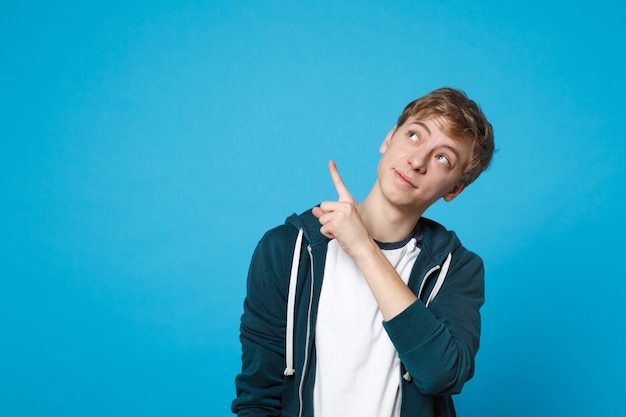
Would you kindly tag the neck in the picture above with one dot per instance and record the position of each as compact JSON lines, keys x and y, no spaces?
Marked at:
{"x":384,"y":221}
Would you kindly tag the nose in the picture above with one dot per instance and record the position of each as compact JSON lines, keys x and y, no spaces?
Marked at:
{"x":417,"y":162}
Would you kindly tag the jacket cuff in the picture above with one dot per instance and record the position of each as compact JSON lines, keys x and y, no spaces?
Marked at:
{"x":411,"y":327}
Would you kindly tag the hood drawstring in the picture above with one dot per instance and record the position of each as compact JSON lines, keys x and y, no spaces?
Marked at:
{"x":291,"y":306}
{"x":440,"y":279}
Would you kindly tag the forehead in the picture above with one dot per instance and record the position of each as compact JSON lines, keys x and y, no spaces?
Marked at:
{"x":438,"y":121}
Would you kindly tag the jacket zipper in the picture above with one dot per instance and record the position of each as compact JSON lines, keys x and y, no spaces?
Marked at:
{"x":308,"y":335}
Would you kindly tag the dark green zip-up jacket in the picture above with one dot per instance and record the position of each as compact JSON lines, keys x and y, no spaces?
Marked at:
{"x":436,"y":344}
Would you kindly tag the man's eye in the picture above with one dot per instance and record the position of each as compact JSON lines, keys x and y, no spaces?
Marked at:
{"x":443,"y":159}
{"x":414,"y":136}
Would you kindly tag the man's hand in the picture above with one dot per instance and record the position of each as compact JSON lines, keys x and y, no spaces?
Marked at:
{"x":341,"y":219}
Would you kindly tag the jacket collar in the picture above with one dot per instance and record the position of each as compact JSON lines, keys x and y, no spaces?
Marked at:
{"x":310,"y":225}
{"x":438,"y":241}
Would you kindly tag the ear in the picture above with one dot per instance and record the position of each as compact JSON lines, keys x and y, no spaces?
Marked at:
{"x":454,"y":191}
{"x":385,"y":144}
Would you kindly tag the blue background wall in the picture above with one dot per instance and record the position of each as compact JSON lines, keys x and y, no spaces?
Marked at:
{"x":146,"y":146}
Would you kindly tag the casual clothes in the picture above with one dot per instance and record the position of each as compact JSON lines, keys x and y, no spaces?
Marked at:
{"x":436,"y":337}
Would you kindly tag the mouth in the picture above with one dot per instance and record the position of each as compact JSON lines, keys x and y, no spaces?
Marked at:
{"x":404,"y":180}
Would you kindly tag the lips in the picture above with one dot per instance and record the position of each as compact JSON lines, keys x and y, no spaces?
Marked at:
{"x":404,"y":179}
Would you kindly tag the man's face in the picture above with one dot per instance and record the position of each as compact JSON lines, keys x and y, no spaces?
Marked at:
{"x":421,"y":164}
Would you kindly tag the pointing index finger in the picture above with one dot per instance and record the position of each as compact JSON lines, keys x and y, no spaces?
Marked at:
{"x":342,"y":191}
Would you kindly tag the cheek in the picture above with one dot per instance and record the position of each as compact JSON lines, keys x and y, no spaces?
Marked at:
{"x":381,"y":165}
{"x":384,"y":157}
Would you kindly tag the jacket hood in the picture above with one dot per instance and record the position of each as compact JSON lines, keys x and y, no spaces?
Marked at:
{"x":310,"y":225}
{"x":439,"y":241}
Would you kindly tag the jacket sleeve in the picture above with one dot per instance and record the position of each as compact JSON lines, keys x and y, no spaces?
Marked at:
{"x":437,"y":345}
{"x":259,"y":386}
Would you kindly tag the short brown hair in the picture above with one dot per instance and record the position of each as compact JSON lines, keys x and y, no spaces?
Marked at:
{"x":464,"y":120}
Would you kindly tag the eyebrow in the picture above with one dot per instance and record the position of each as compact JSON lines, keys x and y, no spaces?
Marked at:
{"x":417,"y":122}
{"x":454,"y":151}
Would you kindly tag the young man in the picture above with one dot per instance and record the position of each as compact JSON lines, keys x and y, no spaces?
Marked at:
{"x":371,"y":309}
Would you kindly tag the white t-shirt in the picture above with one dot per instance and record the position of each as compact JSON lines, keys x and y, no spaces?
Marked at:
{"x":358,"y":370}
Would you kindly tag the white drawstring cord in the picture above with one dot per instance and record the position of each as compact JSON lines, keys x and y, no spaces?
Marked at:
{"x":291,"y":306}
{"x":440,"y":279}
